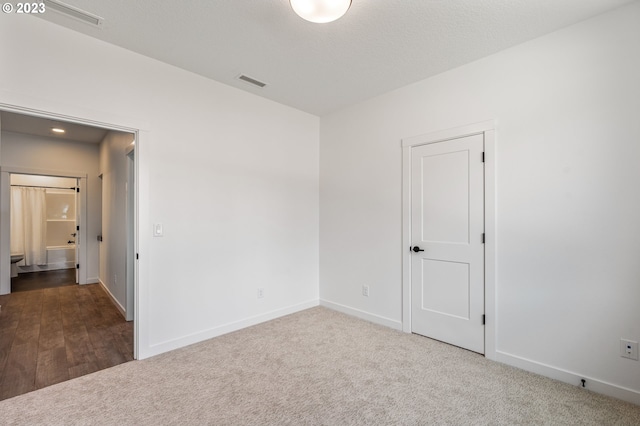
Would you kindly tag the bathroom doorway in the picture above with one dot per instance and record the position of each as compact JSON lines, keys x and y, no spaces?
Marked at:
{"x":45,"y":226}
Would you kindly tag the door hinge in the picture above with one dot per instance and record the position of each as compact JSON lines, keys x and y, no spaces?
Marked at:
{"x":77,"y":266}
{"x":484,"y":319}
{"x":77,"y":227}
{"x":77,"y":189}
{"x":482,"y":238}
{"x":483,"y":157}
{"x":137,"y":257}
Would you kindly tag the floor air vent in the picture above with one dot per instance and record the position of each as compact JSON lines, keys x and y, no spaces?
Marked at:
{"x":74,"y":12}
{"x":251,"y":81}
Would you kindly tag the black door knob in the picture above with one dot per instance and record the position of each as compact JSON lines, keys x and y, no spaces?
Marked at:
{"x":416,"y":249}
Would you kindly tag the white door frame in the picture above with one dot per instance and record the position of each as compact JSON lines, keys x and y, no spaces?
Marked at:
{"x":45,"y":108}
{"x":487,"y":129}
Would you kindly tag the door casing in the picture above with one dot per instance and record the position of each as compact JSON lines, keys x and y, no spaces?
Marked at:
{"x":487,"y":129}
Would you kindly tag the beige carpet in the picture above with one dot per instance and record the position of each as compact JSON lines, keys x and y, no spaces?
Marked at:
{"x":317,"y":367}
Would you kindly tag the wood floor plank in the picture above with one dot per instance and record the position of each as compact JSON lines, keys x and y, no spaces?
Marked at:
{"x":10,"y":318}
{"x":27,"y":332}
{"x":6,"y":340}
{"x":52,"y":367}
{"x":20,"y":370}
{"x":105,"y":348}
{"x":51,"y":338}
{"x":123,"y":343}
{"x":58,"y":333}
{"x":78,"y":347}
{"x":42,"y":280}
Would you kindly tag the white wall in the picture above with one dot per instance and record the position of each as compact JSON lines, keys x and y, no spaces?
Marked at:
{"x":113,"y":168}
{"x":52,"y":154}
{"x":232,"y":177}
{"x":567,"y":108}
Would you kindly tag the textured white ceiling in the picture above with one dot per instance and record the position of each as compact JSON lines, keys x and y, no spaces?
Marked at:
{"x":379,"y":45}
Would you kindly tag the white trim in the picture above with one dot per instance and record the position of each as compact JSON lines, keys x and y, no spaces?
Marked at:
{"x":200,"y":336}
{"x":570,"y":377}
{"x":406,"y":238}
{"x":447,"y":134}
{"x":14,"y":102}
{"x":43,"y":172}
{"x":376,"y":319}
{"x":487,"y":129}
{"x":5,"y":229}
{"x":490,"y":249}
{"x":83,"y":254}
{"x":113,"y":299}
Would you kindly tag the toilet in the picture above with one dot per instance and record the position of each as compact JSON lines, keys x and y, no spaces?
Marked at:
{"x":15,"y":258}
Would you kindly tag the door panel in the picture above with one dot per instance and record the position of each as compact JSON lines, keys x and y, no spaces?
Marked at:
{"x":445,"y":208}
{"x":447,"y":278}
{"x":445,"y":288}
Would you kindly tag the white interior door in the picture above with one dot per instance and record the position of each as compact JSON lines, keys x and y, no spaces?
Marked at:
{"x":447,"y":226}
{"x":130,"y":252}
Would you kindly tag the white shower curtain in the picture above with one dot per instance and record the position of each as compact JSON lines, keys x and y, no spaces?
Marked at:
{"x":29,"y":225}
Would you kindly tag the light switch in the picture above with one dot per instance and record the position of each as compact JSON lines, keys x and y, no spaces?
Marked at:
{"x":157,"y":230}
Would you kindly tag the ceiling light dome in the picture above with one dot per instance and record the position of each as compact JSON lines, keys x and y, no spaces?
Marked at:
{"x":320,"y":11}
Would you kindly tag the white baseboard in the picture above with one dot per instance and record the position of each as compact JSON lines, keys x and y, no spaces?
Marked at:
{"x":114,"y":300}
{"x":200,"y":336}
{"x":570,"y":377}
{"x":376,"y":319}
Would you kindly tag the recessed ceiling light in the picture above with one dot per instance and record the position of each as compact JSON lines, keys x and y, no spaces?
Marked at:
{"x":57,"y":130}
{"x":320,"y":11}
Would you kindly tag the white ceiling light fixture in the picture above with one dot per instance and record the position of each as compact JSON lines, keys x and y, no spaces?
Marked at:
{"x":320,"y":11}
{"x":57,"y":130}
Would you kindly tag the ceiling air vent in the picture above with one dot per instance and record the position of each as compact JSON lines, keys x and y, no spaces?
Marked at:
{"x":251,"y":81}
{"x":73,"y":12}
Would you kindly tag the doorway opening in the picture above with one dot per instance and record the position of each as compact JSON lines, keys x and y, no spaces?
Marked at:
{"x":45,"y":216}
{"x":70,"y":329}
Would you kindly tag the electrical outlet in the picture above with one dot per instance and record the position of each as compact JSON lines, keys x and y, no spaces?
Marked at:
{"x":260,"y":293}
{"x":629,"y":349}
{"x":365,"y":290}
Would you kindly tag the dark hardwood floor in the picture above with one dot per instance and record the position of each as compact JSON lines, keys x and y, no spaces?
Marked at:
{"x":54,"y":334}
{"x":40,"y":280}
